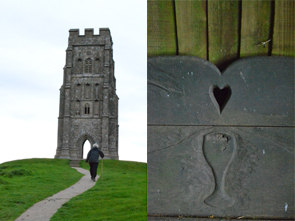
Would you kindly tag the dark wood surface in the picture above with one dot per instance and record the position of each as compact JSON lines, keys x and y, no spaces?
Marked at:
{"x":221,"y":31}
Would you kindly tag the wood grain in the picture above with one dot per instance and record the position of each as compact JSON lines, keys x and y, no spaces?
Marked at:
{"x":223,"y":31}
{"x":161,"y":35}
{"x":255,"y":28}
{"x":191,"y":27}
{"x":284,"y":28}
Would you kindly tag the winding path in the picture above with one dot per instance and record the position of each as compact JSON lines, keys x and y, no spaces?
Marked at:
{"x":44,"y":210}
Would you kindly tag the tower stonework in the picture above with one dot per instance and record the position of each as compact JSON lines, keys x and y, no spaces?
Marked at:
{"x":88,"y":99}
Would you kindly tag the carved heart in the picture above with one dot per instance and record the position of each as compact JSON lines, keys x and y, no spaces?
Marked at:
{"x":220,"y":97}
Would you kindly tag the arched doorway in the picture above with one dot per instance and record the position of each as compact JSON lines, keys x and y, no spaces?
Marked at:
{"x":83,"y":145}
{"x":85,"y":149}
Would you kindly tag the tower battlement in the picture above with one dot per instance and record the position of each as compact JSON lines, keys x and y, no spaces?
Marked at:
{"x":89,"y":32}
{"x":104,"y":36}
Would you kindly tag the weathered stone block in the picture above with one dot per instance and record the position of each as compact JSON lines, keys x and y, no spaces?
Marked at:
{"x":221,"y":144}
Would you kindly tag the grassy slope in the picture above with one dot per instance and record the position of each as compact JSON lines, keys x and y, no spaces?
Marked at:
{"x":25,"y":182}
{"x":120,"y":195}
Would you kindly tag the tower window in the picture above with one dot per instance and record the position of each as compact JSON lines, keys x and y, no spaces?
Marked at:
{"x":87,"y":90}
{"x":88,"y":65}
{"x":96,"y":91}
{"x":87,"y":109}
{"x":79,"y":66}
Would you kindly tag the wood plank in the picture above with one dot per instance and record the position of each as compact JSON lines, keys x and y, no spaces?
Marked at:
{"x":191,"y":27}
{"x":255,"y":28}
{"x":223,"y":21}
{"x":284,"y":28}
{"x":161,"y":36}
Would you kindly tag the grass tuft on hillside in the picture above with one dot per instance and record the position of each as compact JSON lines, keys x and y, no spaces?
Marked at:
{"x":120,"y":194}
{"x":26,"y":182}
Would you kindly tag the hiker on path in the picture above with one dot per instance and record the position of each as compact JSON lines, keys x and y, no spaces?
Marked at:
{"x":92,"y":157}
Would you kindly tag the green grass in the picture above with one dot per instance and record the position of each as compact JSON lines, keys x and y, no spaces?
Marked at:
{"x":119,"y":195}
{"x":25,"y":182}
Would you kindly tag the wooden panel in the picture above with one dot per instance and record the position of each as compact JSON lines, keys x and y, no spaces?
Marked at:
{"x":223,"y":31}
{"x":255,"y":27}
{"x":284,"y":28}
{"x":191,"y":27}
{"x":161,"y":38}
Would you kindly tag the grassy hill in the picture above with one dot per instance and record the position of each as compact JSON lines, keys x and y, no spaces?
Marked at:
{"x":119,"y":195}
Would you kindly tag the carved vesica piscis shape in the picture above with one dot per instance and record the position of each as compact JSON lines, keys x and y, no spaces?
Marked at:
{"x":220,"y":97}
{"x":219,"y":150}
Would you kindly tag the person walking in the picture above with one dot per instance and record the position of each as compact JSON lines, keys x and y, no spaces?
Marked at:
{"x":92,"y":158}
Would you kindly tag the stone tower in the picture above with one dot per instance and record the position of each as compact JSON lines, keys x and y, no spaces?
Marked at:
{"x":88,"y":100}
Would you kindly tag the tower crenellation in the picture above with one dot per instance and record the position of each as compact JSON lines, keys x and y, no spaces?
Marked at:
{"x":103,"y":38}
{"x":88,"y":99}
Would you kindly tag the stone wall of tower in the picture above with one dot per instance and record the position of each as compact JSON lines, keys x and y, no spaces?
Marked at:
{"x":88,"y":99}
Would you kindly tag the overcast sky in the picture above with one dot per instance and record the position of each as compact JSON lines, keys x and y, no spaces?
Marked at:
{"x":33,"y":40}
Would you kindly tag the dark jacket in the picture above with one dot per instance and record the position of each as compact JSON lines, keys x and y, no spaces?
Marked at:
{"x":93,"y":155}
